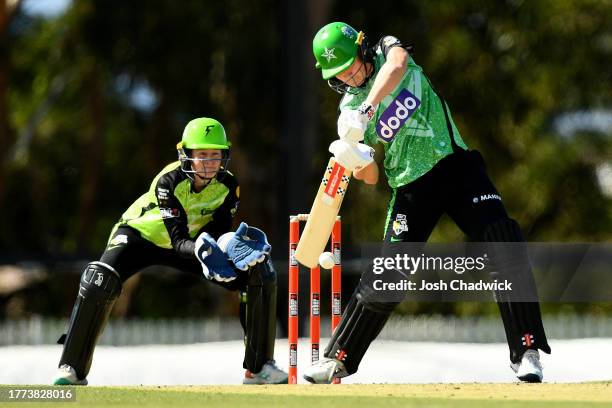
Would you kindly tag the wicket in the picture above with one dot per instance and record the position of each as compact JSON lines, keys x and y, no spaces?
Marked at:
{"x":315,"y":293}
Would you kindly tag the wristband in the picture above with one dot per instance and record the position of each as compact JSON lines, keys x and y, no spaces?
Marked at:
{"x":367,"y":109}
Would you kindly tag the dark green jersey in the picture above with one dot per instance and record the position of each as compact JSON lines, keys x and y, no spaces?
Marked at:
{"x":409,"y":122}
{"x":171,"y":214}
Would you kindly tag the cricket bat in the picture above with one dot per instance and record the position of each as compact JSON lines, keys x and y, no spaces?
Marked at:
{"x":323,"y":214}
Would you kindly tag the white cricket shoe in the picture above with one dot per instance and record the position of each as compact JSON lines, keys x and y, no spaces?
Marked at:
{"x":324,"y":371}
{"x":66,"y":375}
{"x":530,"y":368}
{"x":269,"y":374}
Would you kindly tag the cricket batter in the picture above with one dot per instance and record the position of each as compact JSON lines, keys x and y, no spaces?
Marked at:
{"x":183,"y":222}
{"x":388,"y":99}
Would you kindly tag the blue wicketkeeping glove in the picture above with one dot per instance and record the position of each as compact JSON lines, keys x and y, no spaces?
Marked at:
{"x":214,"y":262}
{"x":246,"y":247}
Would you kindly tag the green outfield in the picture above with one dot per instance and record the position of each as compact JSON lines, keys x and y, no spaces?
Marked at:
{"x":597,"y":394}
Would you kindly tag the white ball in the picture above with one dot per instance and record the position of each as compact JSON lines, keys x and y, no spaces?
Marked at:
{"x":326,"y":260}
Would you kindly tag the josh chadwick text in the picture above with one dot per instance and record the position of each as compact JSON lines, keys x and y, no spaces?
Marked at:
{"x":453,"y":285}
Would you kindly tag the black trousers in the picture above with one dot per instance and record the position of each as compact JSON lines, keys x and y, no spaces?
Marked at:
{"x":135,"y":253}
{"x":459,"y":186}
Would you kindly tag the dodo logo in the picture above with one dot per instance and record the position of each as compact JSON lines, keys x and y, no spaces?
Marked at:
{"x":398,"y":112}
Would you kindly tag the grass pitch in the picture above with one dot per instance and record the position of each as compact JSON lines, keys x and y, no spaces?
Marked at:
{"x":596,"y":394}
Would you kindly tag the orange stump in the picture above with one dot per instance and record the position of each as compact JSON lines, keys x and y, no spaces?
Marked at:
{"x":315,"y":294}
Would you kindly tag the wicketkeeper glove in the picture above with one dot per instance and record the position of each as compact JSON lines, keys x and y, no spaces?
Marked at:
{"x":351,"y":155}
{"x":246,"y":247}
{"x":214,"y":262}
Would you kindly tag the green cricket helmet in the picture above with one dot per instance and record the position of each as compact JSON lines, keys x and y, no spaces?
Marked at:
{"x":335,"y":48}
{"x":203,"y":133}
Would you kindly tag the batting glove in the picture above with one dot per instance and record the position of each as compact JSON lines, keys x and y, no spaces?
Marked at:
{"x":351,"y":155}
{"x":352,"y":124}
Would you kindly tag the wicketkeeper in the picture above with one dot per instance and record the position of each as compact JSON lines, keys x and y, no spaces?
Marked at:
{"x":183,"y":222}
{"x":388,"y":99}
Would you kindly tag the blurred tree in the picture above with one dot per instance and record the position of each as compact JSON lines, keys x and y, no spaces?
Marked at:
{"x":507,"y":69}
{"x":7,"y":11}
{"x":92,"y":103}
{"x":76,"y":108}
{"x":193,"y":60}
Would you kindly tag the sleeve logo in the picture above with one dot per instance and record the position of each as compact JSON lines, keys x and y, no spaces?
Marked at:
{"x":162,"y":193}
{"x":396,"y":115}
{"x":169,"y":212}
{"x":119,"y":240}
{"x":390,"y":40}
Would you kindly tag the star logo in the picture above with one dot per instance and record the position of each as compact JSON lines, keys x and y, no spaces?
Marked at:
{"x":329,"y":54}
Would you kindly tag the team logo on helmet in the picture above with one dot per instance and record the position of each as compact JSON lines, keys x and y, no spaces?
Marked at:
{"x":347,"y":32}
{"x":329,"y":54}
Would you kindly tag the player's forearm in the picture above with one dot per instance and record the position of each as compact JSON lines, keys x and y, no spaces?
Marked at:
{"x":368,"y":174}
{"x":386,"y":81}
{"x":178,"y":232}
{"x":184,"y":248}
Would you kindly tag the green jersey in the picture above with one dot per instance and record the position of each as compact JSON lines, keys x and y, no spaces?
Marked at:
{"x":171,"y":214}
{"x":410,"y":122}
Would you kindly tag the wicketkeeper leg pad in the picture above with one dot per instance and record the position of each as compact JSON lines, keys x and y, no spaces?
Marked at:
{"x":99,"y":288}
{"x":260,"y":316}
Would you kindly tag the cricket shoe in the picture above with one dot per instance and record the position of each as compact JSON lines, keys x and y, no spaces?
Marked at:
{"x":66,"y":375}
{"x":529,"y":369}
{"x":324,"y":371}
{"x":269,"y":374}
